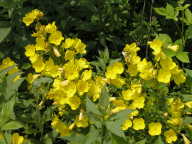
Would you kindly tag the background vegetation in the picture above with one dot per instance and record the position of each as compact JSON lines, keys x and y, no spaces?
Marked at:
{"x":102,"y":25}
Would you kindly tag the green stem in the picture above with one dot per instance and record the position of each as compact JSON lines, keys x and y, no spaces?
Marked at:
{"x":150,"y":20}
{"x":182,"y":31}
{"x":5,"y":139}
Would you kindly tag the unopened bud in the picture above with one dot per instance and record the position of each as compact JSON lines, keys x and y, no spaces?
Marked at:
{"x":56,"y":52}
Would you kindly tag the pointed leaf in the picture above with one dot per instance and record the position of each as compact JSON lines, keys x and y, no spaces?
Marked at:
{"x":91,"y":107}
{"x":141,"y":141}
{"x":12,"y":125}
{"x":4,"y":33}
{"x":159,"y":140}
{"x":188,"y":33}
{"x":183,"y":57}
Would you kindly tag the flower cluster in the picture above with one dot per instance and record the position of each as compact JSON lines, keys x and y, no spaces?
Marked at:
{"x":162,"y":70}
{"x":74,"y":80}
{"x":61,"y":59}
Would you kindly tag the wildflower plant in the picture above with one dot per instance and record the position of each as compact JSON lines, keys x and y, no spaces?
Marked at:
{"x":125,"y":100}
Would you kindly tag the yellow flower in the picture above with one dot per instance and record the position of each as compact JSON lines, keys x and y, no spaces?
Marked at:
{"x":68,"y":43}
{"x":137,"y":88}
{"x":176,"y":107}
{"x":17,"y":139}
{"x":51,"y":27}
{"x":118,"y":82}
{"x":133,"y":113}
{"x":83,"y":87}
{"x":114,"y":69}
{"x":127,"y":124}
{"x":164,"y":76}
{"x":69,"y":88}
{"x":155,"y":128}
{"x":138,"y":124}
{"x":51,"y":69}
{"x":138,"y":102}
{"x":82,"y":63}
{"x":60,"y":127}
{"x":179,"y":77}
{"x":40,"y":31}
{"x":56,"y":38}
{"x":143,"y":65}
{"x":39,"y":65}
{"x":34,"y":58}
{"x":148,"y":74}
{"x":118,"y":67}
{"x":156,"y":46}
{"x":94,"y":90}
{"x":32,"y":16}
{"x":74,"y":102}
{"x":146,"y":69}
{"x":131,"y":48}
{"x":7,"y":62}
{"x":128,"y":94}
{"x":86,"y":75}
{"x":41,"y":44}
{"x":69,"y":55}
{"x":119,"y":105}
{"x":132,"y":69}
{"x":71,"y":71}
{"x":170,"y":136}
{"x":79,"y":46}
{"x":167,"y":63}
{"x":30,"y":50}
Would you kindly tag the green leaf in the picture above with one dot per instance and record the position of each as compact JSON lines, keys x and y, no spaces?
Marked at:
{"x":75,"y":138}
{"x":183,"y":57}
{"x":42,"y":80}
{"x":117,"y":140}
{"x":4,"y":33}
{"x":12,"y":125}
{"x":116,"y":121}
{"x":165,"y":38}
{"x":2,"y":141}
{"x":3,"y":72}
{"x":187,"y":97}
{"x":114,"y":127}
{"x":7,"y":138}
{"x":188,"y":17}
{"x":12,"y":85}
{"x":179,"y":42}
{"x":104,"y":99}
{"x":169,"y":52}
{"x":47,"y":139}
{"x":160,"y":11}
{"x":182,"y":8}
{"x":141,"y":141}
{"x":91,"y":107}
{"x":188,"y":72}
{"x":188,"y":33}
{"x":92,"y":136}
{"x":169,"y":12}
{"x":187,"y":120}
{"x":159,"y":140}
{"x":122,"y":115}
{"x":7,"y":111}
